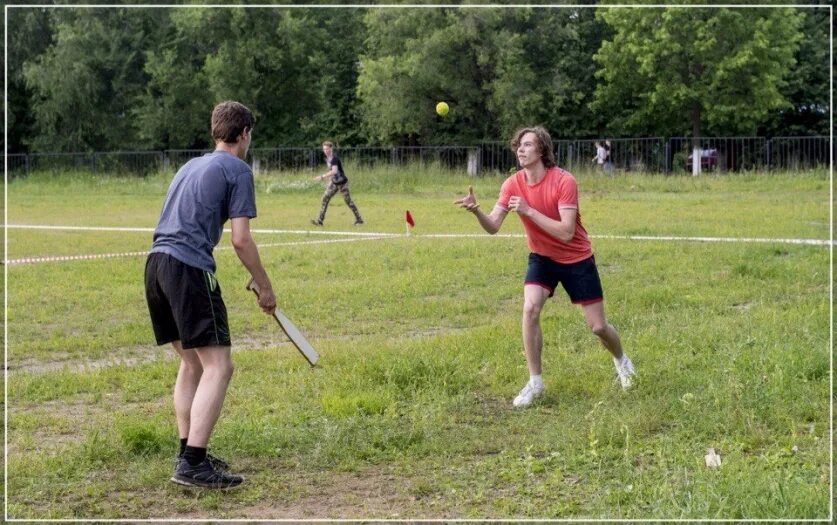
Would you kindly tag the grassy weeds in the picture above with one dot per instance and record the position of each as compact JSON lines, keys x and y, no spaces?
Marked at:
{"x":409,"y":414}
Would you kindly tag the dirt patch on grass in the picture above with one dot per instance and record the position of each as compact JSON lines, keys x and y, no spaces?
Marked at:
{"x":138,"y":354}
{"x":71,"y":362}
{"x":373,"y":493}
{"x":127,"y":356}
{"x":68,"y":421}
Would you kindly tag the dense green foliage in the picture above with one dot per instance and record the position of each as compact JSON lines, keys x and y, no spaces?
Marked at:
{"x":99,"y":79}
{"x":497,"y":68}
{"x":807,"y":88}
{"x":719,"y":69}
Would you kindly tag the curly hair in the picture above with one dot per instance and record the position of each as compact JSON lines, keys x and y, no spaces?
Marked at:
{"x":545,"y":147}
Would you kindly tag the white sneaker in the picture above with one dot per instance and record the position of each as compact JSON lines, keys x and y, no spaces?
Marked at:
{"x":527,"y":395}
{"x":624,"y":371}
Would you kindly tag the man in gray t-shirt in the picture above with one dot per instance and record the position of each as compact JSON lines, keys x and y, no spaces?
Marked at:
{"x":184,"y":297}
{"x":189,"y":232}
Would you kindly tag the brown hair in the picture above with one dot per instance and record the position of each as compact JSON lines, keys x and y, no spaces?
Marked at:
{"x":328,"y":143}
{"x":229,"y":119}
{"x":545,"y":147}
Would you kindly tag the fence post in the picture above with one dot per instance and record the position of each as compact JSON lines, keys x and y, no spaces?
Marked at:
{"x":767,"y":152}
{"x":667,"y":157}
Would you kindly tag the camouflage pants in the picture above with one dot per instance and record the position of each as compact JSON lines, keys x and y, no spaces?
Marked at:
{"x":331,"y":189}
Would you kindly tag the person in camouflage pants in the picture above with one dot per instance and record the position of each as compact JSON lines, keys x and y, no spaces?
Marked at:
{"x":339,"y":182}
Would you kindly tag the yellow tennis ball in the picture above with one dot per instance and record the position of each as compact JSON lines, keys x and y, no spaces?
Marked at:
{"x":442,"y":108}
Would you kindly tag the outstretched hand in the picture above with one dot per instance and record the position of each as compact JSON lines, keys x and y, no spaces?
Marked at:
{"x":469,"y":202}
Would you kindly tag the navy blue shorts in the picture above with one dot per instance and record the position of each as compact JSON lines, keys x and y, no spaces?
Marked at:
{"x":185,"y":303}
{"x":579,"y":279}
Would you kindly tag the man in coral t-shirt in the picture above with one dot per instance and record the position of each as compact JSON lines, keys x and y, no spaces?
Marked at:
{"x":545,"y":198}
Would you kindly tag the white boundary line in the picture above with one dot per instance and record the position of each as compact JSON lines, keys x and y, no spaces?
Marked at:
{"x":830,"y":264}
{"x":63,"y":258}
{"x":750,"y":240}
{"x":227,"y":230}
{"x":381,"y":235}
{"x":5,"y":268}
{"x":327,"y":241}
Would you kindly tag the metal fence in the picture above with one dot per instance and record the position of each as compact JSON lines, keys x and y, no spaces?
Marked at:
{"x":725,"y":154}
{"x":797,"y":153}
{"x":644,"y":155}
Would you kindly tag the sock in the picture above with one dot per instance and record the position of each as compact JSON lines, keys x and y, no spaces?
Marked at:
{"x":536,"y":381}
{"x":620,"y":361}
{"x":194,"y":455}
{"x":182,"y":446}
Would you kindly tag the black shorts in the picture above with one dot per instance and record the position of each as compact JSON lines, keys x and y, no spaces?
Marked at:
{"x":185,"y":303}
{"x":580,"y":279}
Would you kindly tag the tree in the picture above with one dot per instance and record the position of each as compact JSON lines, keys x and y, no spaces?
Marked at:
{"x":292,"y":67}
{"x":334,"y":58}
{"x":807,"y":85}
{"x":497,"y":68}
{"x":32,"y":35}
{"x":544,"y":71}
{"x":85,"y":84}
{"x":716,"y":69}
{"x":415,"y":58}
{"x":172,"y":111}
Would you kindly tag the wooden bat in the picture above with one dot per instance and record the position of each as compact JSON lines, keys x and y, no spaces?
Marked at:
{"x":291,"y":331}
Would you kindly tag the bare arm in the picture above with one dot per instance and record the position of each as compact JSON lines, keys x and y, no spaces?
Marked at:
{"x":491,"y":222}
{"x":563,"y":229}
{"x":247,"y":251}
{"x":331,"y":172}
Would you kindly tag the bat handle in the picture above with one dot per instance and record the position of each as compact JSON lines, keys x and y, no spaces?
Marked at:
{"x":251,"y":285}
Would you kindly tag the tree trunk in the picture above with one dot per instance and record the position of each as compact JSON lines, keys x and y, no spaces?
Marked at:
{"x":696,"y":149}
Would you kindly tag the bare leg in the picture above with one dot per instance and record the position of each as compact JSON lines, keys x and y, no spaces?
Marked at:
{"x":188,"y":378}
{"x":210,"y":394}
{"x":595,"y":316}
{"x":534,"y":297}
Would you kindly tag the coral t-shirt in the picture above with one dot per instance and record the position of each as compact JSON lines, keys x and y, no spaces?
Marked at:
{"x":556,"y":190}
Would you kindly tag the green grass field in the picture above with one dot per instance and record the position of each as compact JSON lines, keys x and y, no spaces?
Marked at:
{"x":409,"y":414}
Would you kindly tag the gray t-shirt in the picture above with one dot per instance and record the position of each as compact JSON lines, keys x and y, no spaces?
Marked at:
{"x":205,"y":193}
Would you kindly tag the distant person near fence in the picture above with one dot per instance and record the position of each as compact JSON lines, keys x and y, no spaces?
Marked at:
{"x":608,"y":160}
{"x":337,"y":182}
{"x":600,"y":156}
{"x":545,"y":197}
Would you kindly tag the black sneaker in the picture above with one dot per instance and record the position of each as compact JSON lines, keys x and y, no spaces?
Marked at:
{"x":216,"y":462}
{"x":358,"y":222}
{"x":203,"y":475}
{"x":316,"y":222}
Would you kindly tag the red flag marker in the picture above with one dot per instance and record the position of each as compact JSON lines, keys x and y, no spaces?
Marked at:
{"x":410,"y":222}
